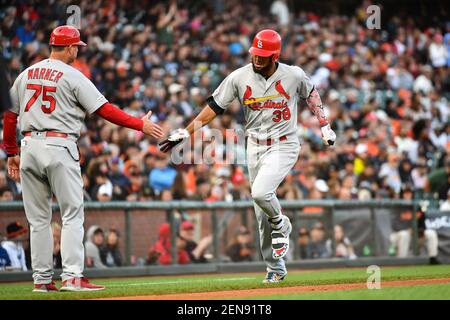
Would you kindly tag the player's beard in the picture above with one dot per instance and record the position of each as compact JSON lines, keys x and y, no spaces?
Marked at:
{"x":264,"y":71}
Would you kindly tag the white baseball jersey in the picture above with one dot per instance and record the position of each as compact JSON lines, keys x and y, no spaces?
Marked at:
{"x":270,"y":106}
{"x":53,"y":96}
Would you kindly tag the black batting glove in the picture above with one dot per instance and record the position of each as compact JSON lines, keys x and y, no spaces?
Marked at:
{"x":181,"y":135}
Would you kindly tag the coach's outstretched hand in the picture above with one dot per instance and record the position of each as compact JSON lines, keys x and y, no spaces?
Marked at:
{"x":175,"y":138}
{"x":150,"y":128}
{"x":328,"y":135}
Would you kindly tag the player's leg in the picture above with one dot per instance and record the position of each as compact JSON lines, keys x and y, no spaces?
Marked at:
{"x":66,"y":182}
{"x":274,"y":166}
{"x":276,"y":269}
{"x":276,"y":266}
{"x":67,"y":185}
{"x":37,"y":203}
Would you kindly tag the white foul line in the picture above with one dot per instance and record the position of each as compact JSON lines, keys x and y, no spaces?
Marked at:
{"x":176,"y":282}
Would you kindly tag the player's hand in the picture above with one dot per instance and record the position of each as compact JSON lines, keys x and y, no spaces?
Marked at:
{"x":328,"y":135}
{"x":180,"y":135}
{"x":14,"y":168}
{"x":150,"y":128}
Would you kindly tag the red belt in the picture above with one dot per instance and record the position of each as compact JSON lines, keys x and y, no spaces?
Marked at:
{"x":269,"y":142}
{"x":49,"y":134}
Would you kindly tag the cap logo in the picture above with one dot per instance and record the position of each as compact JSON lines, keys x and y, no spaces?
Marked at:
{"x":260,"y":44}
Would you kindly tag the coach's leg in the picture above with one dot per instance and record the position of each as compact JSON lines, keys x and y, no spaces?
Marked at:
{"x":404,"y":240}
{"x":393,"y":238}
{"x":67,"y":184}
{"x":432,"y":242}
{"x":37,"y":203}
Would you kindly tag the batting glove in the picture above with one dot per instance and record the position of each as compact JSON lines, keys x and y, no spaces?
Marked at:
{"x":328,"y":135}
{"x":180,"y":135}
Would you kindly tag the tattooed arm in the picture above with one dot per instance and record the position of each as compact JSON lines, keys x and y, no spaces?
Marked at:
{"x":315,"y":105}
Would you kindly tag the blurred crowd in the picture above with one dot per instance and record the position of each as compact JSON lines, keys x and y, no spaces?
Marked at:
{"x":387,"y":93}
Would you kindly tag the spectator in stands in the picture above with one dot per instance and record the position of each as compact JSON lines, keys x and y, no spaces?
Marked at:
{"x":196,"y":251}
{"x":6,"y":194}
{"x":317,"y":191}
{"x":163,"y":175}
{"x":8,"y":187}
{"x":105,"y":191}
{"x":178,"y":189}
{"x":419,"y":174}
{"x":120,"y":182}
{"x":438,"y":52}
{"x":160,"y":252}
{"x":389,"y":171}
{"x":14,"y":245}
{"x":318,"y":247}
{"x":110,"y":252}
{"x":401,"y":237}
{"x":405,"y":171}
{"x":86,"y":187}
{"x":438,"y":182}
{"x":4,"y":259}
{"x":149,"y":163}
{"x":423,"y":83}
{"x":304,"y":244}
{"x":241,"y":190}
{"x":445,"y":206}
{"x":344,"y":247}
{"x":95,"y":239}
{"x":242,"y":248}
{"x":56,"y":231}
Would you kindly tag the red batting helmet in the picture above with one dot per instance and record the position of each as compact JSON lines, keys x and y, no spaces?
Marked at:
{"x":266,"y":43}
{"x":66,"y":36}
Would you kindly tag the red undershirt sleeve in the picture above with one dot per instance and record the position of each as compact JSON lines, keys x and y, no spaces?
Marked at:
{"x":115,"y":115}
{"x":9,"y":132}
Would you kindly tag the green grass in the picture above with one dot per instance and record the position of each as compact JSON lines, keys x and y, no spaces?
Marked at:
{"x":419,"y":292}
{"x":216,"y":282}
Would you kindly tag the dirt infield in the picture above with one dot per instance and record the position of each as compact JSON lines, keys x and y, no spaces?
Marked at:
{"x":277,"y":290}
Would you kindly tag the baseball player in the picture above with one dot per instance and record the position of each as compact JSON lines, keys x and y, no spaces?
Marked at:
{"x":269,"y":92}
{"x":51,"y":99}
